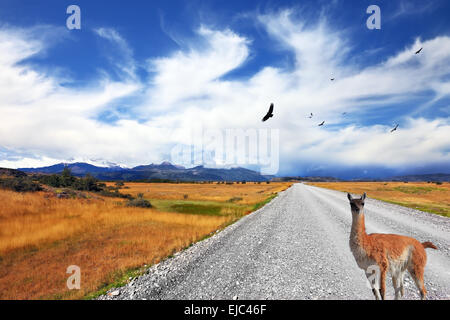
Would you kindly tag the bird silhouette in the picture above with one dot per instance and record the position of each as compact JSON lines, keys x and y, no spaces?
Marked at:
{"x":269,"y":113}
{"x":323,"y":122}
{"x":418,"y":51}
{"x":394,"y":128}
{"x":310,"y":115}
{"x":344,"y":113}
{"x":332,"y":79}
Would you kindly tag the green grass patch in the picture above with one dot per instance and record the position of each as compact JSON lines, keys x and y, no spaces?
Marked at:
{"x":417,"y":189}
{"x":431,"y":208}
{"x":196,"y":207}
{"x":192,"y":208}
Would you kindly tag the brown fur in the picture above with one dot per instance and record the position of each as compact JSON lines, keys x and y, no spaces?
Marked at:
{"x":390,"y":252}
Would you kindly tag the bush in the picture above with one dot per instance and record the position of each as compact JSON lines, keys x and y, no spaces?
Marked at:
{"x":119,"y":184}
{"x":438,"y":182}
{"x":50,"y":180}
{"x":234,"y":199}
{"x":23,"y":184}
{"x":88,"y":183}
{"x":115,"y":194}
{"x":139,"y":202}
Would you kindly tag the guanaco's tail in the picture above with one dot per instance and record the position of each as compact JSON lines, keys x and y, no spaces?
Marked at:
{"x":428,"y":244}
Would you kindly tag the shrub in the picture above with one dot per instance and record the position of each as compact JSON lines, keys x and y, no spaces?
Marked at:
{"x":185,"y":196}
{"x":23,"y":184}
{"x":234,"y":199}
{"x":139,"y":202}
{"x":119,"y":184}
{"x":88,"y":183}
{"x":66,"y":179}
{"x":115,"y":194}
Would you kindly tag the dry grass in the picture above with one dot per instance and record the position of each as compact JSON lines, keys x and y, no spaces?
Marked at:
{"x":429,"y":197}
{"x":250,"y":193}
{"x":40,"y":236}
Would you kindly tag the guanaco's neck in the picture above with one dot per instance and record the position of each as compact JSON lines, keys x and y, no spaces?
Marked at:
{"x":358,"y":231}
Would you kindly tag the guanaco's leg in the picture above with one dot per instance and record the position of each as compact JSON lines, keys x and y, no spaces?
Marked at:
{"x":397,"y":286}
{"x":383,"y":283}
{"x":402,"y":280}
{"x":417,"y":273}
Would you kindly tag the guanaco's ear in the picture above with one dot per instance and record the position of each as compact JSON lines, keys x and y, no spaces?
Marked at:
{"x":363,"y":196}
{"x":349,"y":196}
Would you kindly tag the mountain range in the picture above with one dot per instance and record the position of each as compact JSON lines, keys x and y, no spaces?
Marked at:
{"x":163,"y":171}
{"x":441,"y":177}
{"x":167,"y":171}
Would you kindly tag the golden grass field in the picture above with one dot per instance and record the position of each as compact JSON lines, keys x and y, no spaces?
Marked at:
{"x":41,"y":235}
{"x":429,"y":197}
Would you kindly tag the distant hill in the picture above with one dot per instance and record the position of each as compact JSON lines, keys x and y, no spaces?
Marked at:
{"x":441,"y":177}
{"x":78,"y":169}
{"x":163,"y":171}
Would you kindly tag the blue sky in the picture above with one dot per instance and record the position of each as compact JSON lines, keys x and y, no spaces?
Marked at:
{"x":140,"y":76}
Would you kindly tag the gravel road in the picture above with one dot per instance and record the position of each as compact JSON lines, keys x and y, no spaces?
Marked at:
{"x":295,"y":247}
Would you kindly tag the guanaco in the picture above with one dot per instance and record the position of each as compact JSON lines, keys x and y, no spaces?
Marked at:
{"x":389,"y":252}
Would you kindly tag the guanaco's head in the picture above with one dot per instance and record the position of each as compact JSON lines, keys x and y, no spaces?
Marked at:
{"x":357,"y":205}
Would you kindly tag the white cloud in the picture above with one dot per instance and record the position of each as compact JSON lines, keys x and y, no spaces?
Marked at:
{"x":29,"y":162}
{"x":127,"y":63}
{"x":194,"y":73}
{"x":188,"y":90}
{"x":406,"y":8}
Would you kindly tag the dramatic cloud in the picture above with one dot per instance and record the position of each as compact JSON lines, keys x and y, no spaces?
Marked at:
{"x":189,"y":89}
{"x":195,"y":73}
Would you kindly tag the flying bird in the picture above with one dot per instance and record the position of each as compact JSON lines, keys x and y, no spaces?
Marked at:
{"x":310,"y":115}
{"x":394,"y":128}
{"x":332,"y":79}
{"x":269,"y":113}
{"x":323,"y":122}
{"x":418,"y":51}
{"x":344,"y":113}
